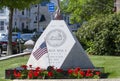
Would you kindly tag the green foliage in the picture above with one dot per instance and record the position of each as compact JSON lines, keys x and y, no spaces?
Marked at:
{"x":16,"y":30}
{"x":11,"y":5}
{"x":26,"y":30}
{"x":83,"y":10}
{"x":101,"y":36}
{"x":19,"y":4}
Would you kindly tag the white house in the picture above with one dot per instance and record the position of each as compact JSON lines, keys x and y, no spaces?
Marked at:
{"x":36,"y":17}
{"x":117,"y":6}
{"x":4,"y":18}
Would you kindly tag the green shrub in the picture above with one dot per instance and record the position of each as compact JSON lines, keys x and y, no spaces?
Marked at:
{"x":16,"y":30}
{"x":101,"y":36}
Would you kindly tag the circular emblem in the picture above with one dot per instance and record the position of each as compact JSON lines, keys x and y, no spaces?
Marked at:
{"x":56,"y":38}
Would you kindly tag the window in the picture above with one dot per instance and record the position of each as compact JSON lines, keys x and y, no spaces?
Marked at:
{"x":1,"y":10}
{"x":35,"y":5}
{"x":15,"y":23}
{"x":1,"y":22}
{"x":27,"y":27}
{"x":42,"y":18}
{"x":1,"y":25}
{"x":22,"y":12}
{"x":23,"y":25}
{"x":36,"y":18}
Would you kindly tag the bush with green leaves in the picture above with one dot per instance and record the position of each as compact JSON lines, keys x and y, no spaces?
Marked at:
{"x":101,"y":35}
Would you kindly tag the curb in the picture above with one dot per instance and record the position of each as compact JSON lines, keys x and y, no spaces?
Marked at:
{"x":16,"y":55}
{"x":70,"y":80}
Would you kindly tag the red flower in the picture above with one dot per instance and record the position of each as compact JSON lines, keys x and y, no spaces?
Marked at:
{"x":30,"y":74}
{"x":97,"y":73}
{"x":14,"y":72}
{"x":50,"y":74}
{"x":37,"y":69}
{"x":36,"y":73}
{"x":70,"y":71}
{"x":77,"y":69}
{"x":82,"y":73}
{"x":17,"y":74}
{"x":76,"y":72}
{"x":89,"y":74}
{"x":88,"y":71}
{"x":59,"y":70}
{"x":24,"y":66}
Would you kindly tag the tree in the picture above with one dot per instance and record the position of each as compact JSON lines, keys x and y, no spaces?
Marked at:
{"x":18,"y":4}
{"x":101,"y":36}
{"x":83,"y":10}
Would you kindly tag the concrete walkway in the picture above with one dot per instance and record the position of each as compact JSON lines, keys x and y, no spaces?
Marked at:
{"x":15,"y":55}
{"x":71,"y":80}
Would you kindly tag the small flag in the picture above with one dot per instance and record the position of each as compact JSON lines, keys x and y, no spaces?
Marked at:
{"x":40,"y":51}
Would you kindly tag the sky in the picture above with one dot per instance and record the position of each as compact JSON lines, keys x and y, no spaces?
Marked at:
{"x":55,"y":1}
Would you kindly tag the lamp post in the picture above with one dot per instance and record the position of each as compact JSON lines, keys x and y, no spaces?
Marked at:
{"x":15,"y":28}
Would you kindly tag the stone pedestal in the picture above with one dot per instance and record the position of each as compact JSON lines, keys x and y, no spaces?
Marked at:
{"x":63,"y":49}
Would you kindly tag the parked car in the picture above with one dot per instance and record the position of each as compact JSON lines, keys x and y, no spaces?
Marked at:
{"x":4,"y":42}
{"x":2,"y":35}
{"x":36,"y":35}
{"x":27,"y":36}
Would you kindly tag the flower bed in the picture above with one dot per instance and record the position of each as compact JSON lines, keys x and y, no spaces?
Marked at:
{"x":50,"y":73}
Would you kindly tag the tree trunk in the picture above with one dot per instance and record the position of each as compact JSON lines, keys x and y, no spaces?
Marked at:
{"x":38,"y":18}
{"x":9,"y":46}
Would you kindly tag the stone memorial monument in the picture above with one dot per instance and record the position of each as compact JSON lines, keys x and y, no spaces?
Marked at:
{"x":58,"y":47}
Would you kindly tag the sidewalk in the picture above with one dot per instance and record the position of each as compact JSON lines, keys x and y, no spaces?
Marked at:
{"x":71,"y":80}
{"x":15,"y":55}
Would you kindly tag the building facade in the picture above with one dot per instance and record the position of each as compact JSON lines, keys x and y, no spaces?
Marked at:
{"x":36,"y":18}
{"x":117,"y":5}
{"x":4,"y":18}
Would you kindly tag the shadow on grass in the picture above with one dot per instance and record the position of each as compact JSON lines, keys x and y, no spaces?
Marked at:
{"x":105,"y":75}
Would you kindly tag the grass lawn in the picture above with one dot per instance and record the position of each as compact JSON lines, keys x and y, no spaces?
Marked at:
{"x":11,"y":63}
{"x":111,"y":65}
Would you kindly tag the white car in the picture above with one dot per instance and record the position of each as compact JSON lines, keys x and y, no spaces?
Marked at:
{"x":3,"y":35}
